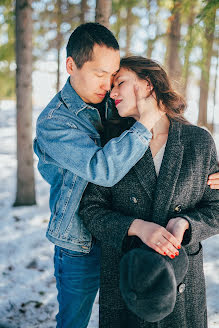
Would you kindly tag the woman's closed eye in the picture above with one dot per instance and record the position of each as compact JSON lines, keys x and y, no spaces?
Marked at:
{"x":120,"y":83}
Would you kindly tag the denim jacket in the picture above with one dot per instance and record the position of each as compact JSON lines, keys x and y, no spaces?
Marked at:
{"x":68,"y":146}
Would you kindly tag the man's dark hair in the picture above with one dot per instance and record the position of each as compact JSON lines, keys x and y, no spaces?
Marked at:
{"x":84,"y":37}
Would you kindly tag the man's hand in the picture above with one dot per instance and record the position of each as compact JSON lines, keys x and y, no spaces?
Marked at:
{"x":155,"y":236}
{"x":177,"y":227}
{"x":213,"y":181}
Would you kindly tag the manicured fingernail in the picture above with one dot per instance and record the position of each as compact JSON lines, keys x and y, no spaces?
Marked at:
{"x":177,"y":253}
{"x":178,"y":246}
{"x":164,"y":253}
{"x":172,"y":256}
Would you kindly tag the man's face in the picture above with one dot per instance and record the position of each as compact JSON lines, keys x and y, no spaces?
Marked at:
{"x":93,"y":80}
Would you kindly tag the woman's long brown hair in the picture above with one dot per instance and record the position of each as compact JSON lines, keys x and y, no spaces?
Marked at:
{"x":151,"y":71}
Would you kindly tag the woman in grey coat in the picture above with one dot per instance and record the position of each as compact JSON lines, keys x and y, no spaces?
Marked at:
{"x":163,"y":202}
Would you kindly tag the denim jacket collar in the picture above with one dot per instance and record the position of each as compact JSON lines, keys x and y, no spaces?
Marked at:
{"x":72,"y":100}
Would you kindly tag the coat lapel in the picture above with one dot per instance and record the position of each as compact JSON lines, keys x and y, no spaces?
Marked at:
{"x":169,"y":173}
{"x":146,"y":174}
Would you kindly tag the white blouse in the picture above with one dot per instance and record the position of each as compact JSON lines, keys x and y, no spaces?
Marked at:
{"x":158,"y":159}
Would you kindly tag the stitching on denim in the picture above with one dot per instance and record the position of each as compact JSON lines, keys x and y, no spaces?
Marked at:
{"x":50,"y":115}
{"x":80,"y":109}
{"x":143,"y":139}
{"x":67,"y":198}
{"x":71,"y":125}
{"x":118,"y":139}
{"x":69,"y":194}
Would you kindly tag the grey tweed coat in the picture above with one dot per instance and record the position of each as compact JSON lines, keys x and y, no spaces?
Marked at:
{"x":179,"y":190}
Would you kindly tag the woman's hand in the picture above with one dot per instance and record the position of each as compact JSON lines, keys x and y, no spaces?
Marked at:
{"x":213,"y":180}
{"x":156,"y":237}
{"x":177,"y":227}
{"x":148,"y":109}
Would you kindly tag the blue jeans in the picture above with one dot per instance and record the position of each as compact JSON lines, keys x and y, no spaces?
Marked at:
{"x":77,"y":281}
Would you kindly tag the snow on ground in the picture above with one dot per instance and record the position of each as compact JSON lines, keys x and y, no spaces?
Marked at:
{"x":27,"y":285}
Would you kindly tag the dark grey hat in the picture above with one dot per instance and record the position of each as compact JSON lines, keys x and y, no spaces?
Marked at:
{"x":148,"y":282}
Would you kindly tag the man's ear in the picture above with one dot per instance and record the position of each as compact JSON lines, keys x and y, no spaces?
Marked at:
{"x":70,"y":65}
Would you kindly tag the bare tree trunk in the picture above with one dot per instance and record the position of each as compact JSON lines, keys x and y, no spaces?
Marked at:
{"x":128,"y":30}
{"x":25,"y":172}
{"x":152,"y":20}
{"x":58,"y":43}
{"x":188,"y":49}
{"x":150,"y":42}
{"x":173,"y":61}
{"x":84,"y":8}
{"x":205,"y":73}
{"x":103,"y":11}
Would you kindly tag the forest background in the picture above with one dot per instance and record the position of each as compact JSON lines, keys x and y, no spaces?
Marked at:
{"x":182,"y":35}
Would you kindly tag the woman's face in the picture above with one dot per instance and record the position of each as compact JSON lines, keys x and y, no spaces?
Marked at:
{"x":123,"y":93}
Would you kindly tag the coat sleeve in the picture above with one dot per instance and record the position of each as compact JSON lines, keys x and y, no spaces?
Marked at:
{"x":109,"y":227}
{"x":204,"y":218}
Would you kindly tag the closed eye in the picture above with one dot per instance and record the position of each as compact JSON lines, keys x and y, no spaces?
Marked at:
{"x":120,"y":82}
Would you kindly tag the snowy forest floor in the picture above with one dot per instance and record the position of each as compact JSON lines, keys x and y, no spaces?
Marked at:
{"x":27,"y":284}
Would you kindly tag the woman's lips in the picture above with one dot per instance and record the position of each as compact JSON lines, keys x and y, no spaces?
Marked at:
{"x":117,"y":102}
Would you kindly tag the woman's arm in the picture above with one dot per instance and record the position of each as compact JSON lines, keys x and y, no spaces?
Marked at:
{"x":111,"y":227}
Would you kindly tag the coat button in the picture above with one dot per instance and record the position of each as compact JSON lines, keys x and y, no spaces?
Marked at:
{"x":181,"y":288}
{"x":134,"y":200}
{"x":178,"y":208}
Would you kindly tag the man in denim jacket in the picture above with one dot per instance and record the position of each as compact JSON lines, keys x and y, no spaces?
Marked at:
{"x":70,"y":155}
